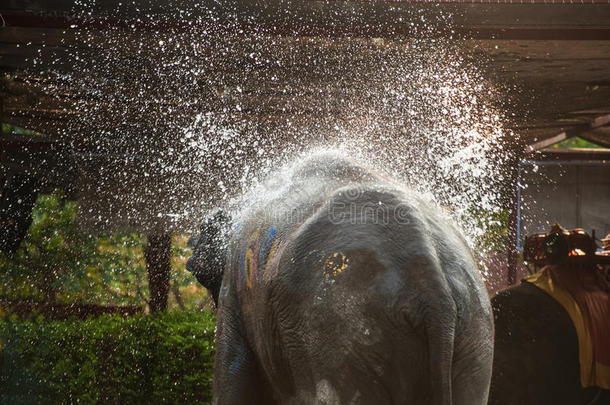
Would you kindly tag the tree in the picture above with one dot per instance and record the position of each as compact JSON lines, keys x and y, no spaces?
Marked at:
{"x":158,"y":263}
{"x":53,"y":257}
{"x":58,"y":262}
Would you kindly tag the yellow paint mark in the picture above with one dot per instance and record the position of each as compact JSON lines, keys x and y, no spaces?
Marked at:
{"x":249,"y":259}
{"x":248,"y":265}
{"x":336,"y":263}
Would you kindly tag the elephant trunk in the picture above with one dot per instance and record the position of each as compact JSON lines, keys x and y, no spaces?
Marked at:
{"x":440,"y":334}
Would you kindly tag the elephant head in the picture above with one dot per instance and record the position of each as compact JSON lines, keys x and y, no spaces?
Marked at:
{"x":208,"y":259}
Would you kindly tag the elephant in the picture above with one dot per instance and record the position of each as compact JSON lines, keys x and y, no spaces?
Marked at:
{"x":337,"y":285}
{"x":536,"y":352}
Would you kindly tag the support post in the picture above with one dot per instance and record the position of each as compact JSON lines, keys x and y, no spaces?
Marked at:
{"x":17,"y":199}
{"x":513,"y":222}
{"x":157,"y":254}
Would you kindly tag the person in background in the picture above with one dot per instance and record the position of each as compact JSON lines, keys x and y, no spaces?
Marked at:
{"x":605,"y":251}
{"x":606,"y":245}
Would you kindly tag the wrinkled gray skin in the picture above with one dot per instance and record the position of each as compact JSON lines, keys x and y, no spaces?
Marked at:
{"x":536,"y":352}
{"x":370,"y":297}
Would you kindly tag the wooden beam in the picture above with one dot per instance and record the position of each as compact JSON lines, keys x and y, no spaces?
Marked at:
{"x":600,"y":136}
{"x":512,"y":234}
{"x":546,"y":142}
{"x":572,"y":132}
{"x":600,"y":121}
{"x":533,"y":21}
{"x":573,"y":154}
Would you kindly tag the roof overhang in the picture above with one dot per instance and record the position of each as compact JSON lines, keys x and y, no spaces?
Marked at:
{"x":536,"y":20}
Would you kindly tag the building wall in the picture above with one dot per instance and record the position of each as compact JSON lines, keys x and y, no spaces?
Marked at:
{"x":575,"y":194}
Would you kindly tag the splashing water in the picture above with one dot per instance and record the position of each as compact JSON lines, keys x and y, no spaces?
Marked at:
{"x":433,"y":127}
{"x":170,"y":124}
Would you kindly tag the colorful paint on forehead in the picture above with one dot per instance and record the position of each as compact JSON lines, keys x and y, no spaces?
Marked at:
{"x":247,"y":268}
{"x":275,"y":260}
{"x":267,"y":241}
{"x":265,"y":252}
{"x":255,"y":253}
{"x":250,"y":267}
{"x":272,"y":250}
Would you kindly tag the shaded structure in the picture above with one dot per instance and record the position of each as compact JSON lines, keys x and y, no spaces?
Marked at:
{"x":566,"y":186}
{"x":556,"y":53}
{"x":574,"y":187}
{"x":552,"y":59}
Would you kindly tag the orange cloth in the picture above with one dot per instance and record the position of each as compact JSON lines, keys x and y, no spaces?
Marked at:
{"x":587,"y":301}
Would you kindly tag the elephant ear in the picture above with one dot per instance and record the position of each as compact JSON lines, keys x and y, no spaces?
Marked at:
{"x":207,"y":262}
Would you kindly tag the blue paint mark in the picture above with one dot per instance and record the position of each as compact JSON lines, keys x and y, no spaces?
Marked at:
{"x":224,"y":290}
{"x":267,"y":241}
{"x":238,"y":361}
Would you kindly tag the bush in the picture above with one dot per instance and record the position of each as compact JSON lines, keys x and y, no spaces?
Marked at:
{"x":160,"y":358}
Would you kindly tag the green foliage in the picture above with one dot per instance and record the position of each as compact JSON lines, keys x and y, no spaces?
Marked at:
{"x":184,"y":286}
{"x":58,"y":262}
{"x":11,"y":129}
{"x":160,"y":358}
{"x":576,"y":142}
{"x":54,"y":258}
{"x":496,"y":230}
{"x":118,"y":274}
